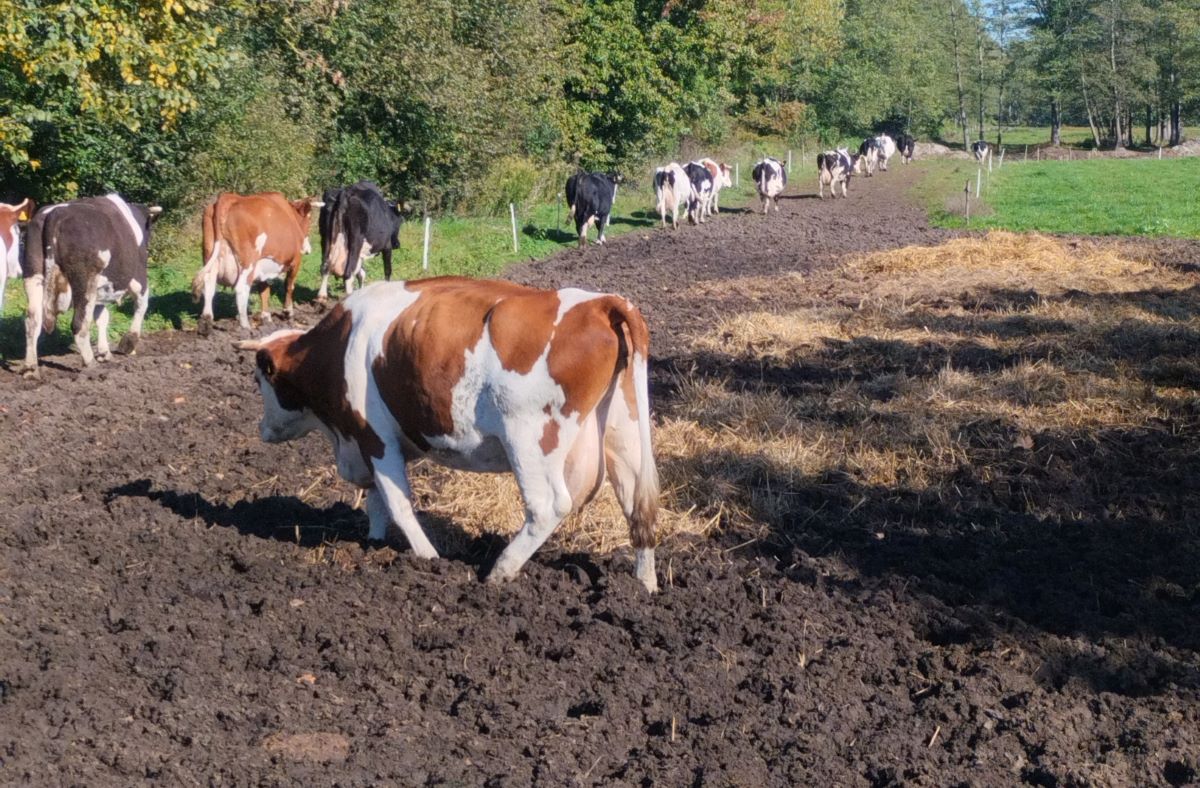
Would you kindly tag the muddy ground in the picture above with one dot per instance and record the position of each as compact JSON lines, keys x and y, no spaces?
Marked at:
{"x":181,"y":602}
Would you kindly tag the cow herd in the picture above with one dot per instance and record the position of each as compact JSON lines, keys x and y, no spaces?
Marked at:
{"x":476,"y":375}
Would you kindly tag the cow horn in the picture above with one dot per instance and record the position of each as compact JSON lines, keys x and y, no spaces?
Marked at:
{"x":154,"y":210}
{"x":248,"y":344}
{"x":317,"y":203}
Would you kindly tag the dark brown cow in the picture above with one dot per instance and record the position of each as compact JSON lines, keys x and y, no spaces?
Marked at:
{"x":481,"y":376}
{"x":252,"y":239}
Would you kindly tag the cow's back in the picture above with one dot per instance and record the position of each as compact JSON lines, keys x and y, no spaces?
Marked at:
{"x":268,"y":217}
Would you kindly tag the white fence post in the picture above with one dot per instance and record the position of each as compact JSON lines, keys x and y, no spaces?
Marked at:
{"x":737,"y":174}
{"x":512,"y":211}
{"x":425,"y":251}
{"x":1160,"y":152}
{"x":789,"y":165}
{"x":978,"y":181}
{"x":1000,"y":164}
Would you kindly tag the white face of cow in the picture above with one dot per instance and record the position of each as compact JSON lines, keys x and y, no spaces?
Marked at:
{"x":280,"y":424}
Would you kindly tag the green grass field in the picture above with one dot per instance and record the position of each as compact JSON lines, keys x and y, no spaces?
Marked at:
{"x":1015,"y":136}
{"x":473,"y":246}
{"x":1091,"y":197}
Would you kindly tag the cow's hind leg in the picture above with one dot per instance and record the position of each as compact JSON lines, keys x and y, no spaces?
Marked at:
{"x":81,"y":322}
{"x":34,"y":315}
{"x":241,"y":294}
{"x":129,"y":342}
{"x":543,"y":483}
{"x":100,"y":315}
{"x":386,"y":254}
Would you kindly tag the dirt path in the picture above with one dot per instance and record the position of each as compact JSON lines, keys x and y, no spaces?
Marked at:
{"x":180,"y":601}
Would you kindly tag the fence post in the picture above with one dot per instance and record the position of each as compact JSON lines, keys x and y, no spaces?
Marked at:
{"x":1039,"y":154}
{"x":1026,"y":153}
{"x":425,"y":252}
{"x":1000,"y":164}
{"x":789,"y":163}
{"x":558,"y":214}
{"x":978,"y":181}
{"x":1160,"y":152}
{"x":967,"y":200}
{"x":737,"y":174}
{"x":512,"y":211}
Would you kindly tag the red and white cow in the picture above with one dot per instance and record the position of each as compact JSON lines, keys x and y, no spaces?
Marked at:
{"x":252,"y":239}
{"x":11,"y":217}
{"x":477,"y":375}
{"x":720,"y":176}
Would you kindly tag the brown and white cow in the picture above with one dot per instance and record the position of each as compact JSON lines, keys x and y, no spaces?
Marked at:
{"x":477,"y":375}
{"x":251,"y":239}
{"x":720,"y":177}
{"x":11,"y":217}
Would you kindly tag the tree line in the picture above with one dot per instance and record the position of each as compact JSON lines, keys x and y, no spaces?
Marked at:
{"x":475,"y":103}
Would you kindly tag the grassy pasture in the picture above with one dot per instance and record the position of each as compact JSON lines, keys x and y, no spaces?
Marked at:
{"x":1015,"y":136}
{"x":468,"y":245}
{"x":1089,"y":197}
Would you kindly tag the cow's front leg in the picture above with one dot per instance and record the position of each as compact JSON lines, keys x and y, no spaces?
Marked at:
{"x":264,"y":300}
{"x":129,"y":342}
{"x":241,"y":295}
{"x":391,"y":500}
{"x":100,"y":315}
{"x":323,"y":291}
{"x":289,"y":289}
{"x":387,"y":264}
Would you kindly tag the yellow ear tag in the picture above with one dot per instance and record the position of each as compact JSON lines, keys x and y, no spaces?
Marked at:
{"x":21,"y":216}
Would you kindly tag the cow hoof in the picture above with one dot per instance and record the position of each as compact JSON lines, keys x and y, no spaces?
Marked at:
{"x":497,"y":577}
{"x":204,"y":325}
{"x":321,"y":304}
{"x":287,"y":314}
{"x":104,"y":357}
{"x":31,"y":373}
{"x":128,"y":344}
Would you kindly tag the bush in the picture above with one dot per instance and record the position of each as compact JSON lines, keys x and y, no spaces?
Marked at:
{"x":510,"y":179}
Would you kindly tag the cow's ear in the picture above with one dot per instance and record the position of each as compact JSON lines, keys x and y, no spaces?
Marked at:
{"x":265,"y":362}
{"x":25,"y":210}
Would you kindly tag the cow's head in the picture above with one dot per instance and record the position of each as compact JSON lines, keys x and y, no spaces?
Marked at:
{"x":285,"y":415}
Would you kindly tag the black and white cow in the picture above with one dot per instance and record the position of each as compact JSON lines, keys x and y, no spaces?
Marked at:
{"x":770,"y":179}
{"x":868,"y":157}
{"x":672,"y":188}
{"x":983,"y":152}
{"x":590,"y":198}
{"x":700,"y":203}
{"x":906,"y":146}
{"x":834,"y":167}
{"x":356,"y":222}
{"x":887,"y":149}
{"x":86,"y":254}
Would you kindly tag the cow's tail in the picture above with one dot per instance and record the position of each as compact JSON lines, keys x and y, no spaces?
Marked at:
{"x":34,"y":264}
{"x":207,"y":250}
{"x":631,"y":328}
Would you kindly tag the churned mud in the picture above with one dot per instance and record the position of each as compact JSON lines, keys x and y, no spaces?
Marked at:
{"x":179,"y":601}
